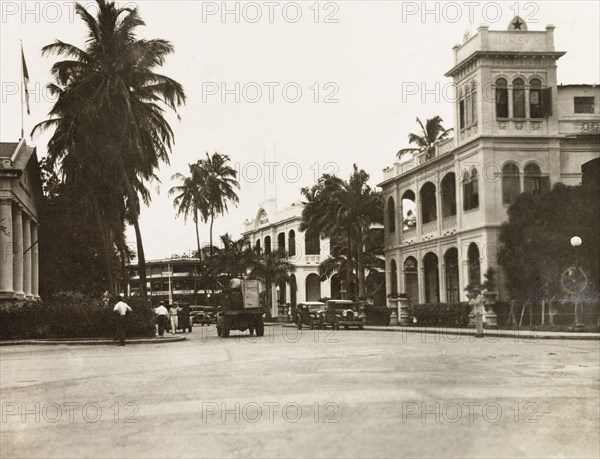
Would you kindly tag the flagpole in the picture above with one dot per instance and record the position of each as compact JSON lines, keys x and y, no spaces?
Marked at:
{"x":22,"y":91}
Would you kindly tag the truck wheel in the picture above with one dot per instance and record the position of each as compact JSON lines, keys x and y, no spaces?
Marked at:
{"x":324,"y":326}
{"x":251,"y":330}
{"x":260,"y":326}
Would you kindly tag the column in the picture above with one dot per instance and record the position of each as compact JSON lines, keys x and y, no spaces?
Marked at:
{"x":421,"y":281}
{"x":35,"y":264}
{"x":438,"y":206}
{"x":442,"y":274}
{"x":6,"y":248}
{"x":27,"y":257}
{"x":18,"y":252}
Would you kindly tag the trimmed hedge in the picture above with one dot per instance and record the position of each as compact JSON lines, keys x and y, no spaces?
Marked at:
{"x":69,"y":317}
{"x":440,"y":314}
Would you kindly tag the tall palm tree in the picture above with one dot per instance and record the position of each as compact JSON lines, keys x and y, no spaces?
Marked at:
{"x":219,"y":187}
{"x":190,"y":198}
{"x":431,"y":132}
{"x":335,"y":207}
{"x":109,"y":126}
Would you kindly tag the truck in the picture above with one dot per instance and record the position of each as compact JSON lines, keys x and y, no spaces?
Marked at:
{"x":239,"y":308}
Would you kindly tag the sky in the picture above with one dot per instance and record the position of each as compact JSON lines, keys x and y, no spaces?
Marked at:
{"x":289,"y":90}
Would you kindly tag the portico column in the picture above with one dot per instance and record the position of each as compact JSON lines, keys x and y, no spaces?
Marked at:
{"x":18,"y":252}
{"x":442,"y":274}
{"x":421,"y":282}
{"x":27,"y":257}
{"x":35,"y":267}
{"x":6,"y":248}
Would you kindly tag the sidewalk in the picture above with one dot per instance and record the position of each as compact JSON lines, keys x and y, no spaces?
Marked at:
{"x":525,"y":335}
{"x":92,"y":341}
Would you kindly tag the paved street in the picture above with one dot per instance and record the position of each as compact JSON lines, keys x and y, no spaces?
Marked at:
{"x":318,"y":394}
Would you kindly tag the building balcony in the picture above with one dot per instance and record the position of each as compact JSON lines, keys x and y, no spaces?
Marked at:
{"x":429,"y":228}
{"x":312,"y":259}
{"x":521,"y":126}
{"x":449,"y":225}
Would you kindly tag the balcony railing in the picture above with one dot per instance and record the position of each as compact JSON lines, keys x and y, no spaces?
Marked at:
{"x":429,"y":228}
{"x":312,"y":259}
{"x":449,"y":223}
{"x":409,"y":233}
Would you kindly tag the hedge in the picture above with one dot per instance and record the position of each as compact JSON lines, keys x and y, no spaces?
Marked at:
{"x":440,"y":314}
{"x":378,"y":315}
{"x":69,"y":317}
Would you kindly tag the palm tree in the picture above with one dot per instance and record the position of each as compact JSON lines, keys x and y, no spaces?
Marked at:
{"x":335,"y":207}
{"x":432,"y":132}
{"x":234,"y":257}
{"x":220,"y":182}
{"x":271,"y":268}
{"x":110,"y":130}
{"x":190,"y":198}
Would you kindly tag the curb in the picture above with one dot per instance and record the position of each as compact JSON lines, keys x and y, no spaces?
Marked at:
{"x":91,"y":342}
{"x":488,"y":333}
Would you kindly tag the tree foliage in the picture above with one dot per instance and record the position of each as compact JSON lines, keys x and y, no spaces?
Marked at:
{"x":535,"y":241}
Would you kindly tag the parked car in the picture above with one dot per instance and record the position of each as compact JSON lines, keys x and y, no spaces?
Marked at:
{"x":343,"y":313}
{"x":310,"y":314}
{"x":203,"y":315}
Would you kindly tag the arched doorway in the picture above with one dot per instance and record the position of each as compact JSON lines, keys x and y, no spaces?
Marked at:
{"x":336,"y":287}
{"x":411,"y":279}
{"x":452,"y":284}
{"x":313,"y":287}
{"x":409,"y":211}
{"x":432,"y":281}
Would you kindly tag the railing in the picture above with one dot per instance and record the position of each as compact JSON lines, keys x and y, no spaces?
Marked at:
{"x":312,"y":259}
{"x":429,"y":228}
{"x":409,"y":233}
{"x":449,"y":223}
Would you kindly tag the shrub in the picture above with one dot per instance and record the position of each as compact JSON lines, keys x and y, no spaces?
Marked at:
{"x":441,"y":314}
{"x":71,"y":316}
{"x":378,"y":315}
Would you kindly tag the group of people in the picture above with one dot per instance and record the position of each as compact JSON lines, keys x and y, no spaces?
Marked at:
{"x":166,"y":316}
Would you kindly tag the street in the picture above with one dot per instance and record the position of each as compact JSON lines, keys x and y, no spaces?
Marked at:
{"x":315,"y":394}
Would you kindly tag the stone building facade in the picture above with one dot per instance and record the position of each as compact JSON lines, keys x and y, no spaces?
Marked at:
{"x":20,"y":191}
{"x":275,"y":230}
{"x":516,"y":130}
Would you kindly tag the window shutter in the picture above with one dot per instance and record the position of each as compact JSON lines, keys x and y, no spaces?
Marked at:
{"x":547,"y":102}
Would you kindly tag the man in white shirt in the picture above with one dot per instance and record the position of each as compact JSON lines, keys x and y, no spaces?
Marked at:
{"x":162,"y":316}
{"x":121,"y":309}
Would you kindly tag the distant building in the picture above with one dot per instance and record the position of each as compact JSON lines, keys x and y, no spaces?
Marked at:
{"x":516,"y":131}
{"x":279,"y":230}
{"x":20,"y":195}
{"x":171,"y":279}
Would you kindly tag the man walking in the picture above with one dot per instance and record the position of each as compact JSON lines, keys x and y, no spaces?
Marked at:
{"x":121,"y":309}
{"x":162,"y":317}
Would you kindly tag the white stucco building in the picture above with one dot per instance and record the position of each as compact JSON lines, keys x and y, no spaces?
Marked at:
{"x":279,"y":230}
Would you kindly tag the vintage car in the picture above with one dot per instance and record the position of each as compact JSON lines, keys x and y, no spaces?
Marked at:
{"x":343,"y":313}
{"x":203,"y":315}
{"x":309,"y":314}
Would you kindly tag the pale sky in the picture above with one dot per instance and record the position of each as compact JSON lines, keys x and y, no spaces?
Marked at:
{"x":363,"y":63}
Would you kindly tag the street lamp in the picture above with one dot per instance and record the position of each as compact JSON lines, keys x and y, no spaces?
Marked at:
{"x":575,"y":281}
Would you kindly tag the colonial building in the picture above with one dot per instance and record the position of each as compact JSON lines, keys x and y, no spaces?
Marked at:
{"x":516,"y":130}
{"x":279,"y":230}
{"x":171,"y":279}
{"x":20,"y":192}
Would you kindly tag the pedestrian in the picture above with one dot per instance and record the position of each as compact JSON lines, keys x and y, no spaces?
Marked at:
{"x":162,"y":315}
{"x":477,"y":301}
{"x":121,"y":309}
{"x":173,"y":311}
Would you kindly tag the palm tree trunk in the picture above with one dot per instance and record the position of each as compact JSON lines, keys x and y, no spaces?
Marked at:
{"x":212,"y":218}
{"x":197,"y":233}
{"x":349,"y":265}
{"x":141,"y":258}
{"x":107,"y":255}
{"x":360,"y":265}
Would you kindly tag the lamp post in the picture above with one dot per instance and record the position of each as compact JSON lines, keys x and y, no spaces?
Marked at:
{"x":576,"y":276}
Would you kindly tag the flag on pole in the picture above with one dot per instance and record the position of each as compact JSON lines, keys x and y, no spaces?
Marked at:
{"x":25,"y":79}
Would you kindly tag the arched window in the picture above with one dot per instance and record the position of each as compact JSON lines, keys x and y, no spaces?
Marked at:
{"x":257,"y":246}
{"x":393,"y":278}
{"x":391,"y":216}
{"x":501,"y":98}
{"x":511,"y":183}
{"x":268,"y":245}
{"x":448,"y":187}
{"x":428,"y":203}
{"x":409,"y":211}
{"x":474,"y":265}
{"x":471,"y":190}
{"x":533,"y":181}
{"x":535,"y":99}
{"x":292,"y":243}
{"x":518,"y":98}
{"x":281,"y":244}
{"x":411,"y":280}
{"x":468,"y":107}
